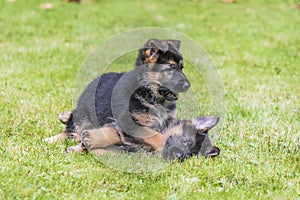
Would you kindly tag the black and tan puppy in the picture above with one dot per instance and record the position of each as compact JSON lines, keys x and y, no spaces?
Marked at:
{"x":182,"y":139}
{"x":186,"y":138}
{"x":141,"y":102}
{"x":190,"y":137}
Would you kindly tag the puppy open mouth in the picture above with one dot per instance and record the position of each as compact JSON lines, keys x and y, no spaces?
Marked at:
{"x":168,"y":93}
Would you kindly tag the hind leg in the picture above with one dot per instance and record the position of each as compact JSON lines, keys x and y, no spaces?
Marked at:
{"x":62,"y":137}
{"x":100,"y":138}
{"x":64,"y":118}
{"x":96,"y":140}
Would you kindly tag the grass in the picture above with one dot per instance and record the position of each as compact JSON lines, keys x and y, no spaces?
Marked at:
{"x":255,"y":45}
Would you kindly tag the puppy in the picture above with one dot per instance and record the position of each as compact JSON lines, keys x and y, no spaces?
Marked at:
{"x":141,"y":102}
{"x":182,"y":139}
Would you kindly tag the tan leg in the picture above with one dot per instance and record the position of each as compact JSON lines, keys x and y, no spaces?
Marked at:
{"x":100,"y":138}
{"x":59,"y":137}
{"x":155,"y":141}
{"x":151,"y":137}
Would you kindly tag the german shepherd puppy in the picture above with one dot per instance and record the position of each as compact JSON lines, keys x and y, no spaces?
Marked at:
{"x":141,"y":102}
{"x":182,"y":139}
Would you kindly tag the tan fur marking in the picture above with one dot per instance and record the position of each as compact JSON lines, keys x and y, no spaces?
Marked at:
{"x":142,"y":118}
{"x":172,"y":62}
{"x":147,"y":52}
{"x":59,"y":137}
{"x":151,"y":58}
{"x":176,"y":130}
{"x":103,"y":137}
{"x":155,"y":141}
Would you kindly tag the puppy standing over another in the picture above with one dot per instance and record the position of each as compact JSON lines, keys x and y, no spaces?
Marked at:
{"x":142,"y":101}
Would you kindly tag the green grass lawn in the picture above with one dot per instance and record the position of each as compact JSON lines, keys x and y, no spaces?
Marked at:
{"x":255,"y":46}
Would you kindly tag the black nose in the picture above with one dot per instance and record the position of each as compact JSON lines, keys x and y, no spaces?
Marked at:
{"x":185,"y":84}
{"x":177,"y":155}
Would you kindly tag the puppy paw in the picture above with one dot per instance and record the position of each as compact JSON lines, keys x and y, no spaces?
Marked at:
{"x":65,"y":117}
{"x":75,"y":149}
{"x":56,"y":138}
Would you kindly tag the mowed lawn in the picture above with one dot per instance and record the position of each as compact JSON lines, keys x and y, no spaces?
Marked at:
{"x":255,"y":46}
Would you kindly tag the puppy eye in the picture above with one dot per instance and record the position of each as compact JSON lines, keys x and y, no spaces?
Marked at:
{"x":173,"y":66}
{"x":185,"y":141}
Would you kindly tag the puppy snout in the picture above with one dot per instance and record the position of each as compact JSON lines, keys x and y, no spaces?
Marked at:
{"x":174,"y":153}
{"x":185,"y":84}
{"x":177,"y":155}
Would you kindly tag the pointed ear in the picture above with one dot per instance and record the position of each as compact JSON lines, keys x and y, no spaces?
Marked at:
{"x":157,"y":44}
{"x":205,"y":123}
{"x":174,"y":44}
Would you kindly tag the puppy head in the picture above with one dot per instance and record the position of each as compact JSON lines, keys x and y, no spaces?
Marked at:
{"x":154,"y":48}
{"x":160,"y":65}
{"x":189,"y":138}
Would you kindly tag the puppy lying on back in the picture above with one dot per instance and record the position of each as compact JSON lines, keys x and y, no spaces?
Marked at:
{"x":182,"y":139}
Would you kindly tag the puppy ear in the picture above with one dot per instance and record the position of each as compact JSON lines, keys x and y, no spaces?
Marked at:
{"x":150,"y":50}
{"x":205,"y":123}
{"x":174,"y":45}
{"x":157,"y":44}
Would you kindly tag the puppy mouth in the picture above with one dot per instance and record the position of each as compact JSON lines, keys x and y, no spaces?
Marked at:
{"x":167,"y":93}
{"x":212,"y":152}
